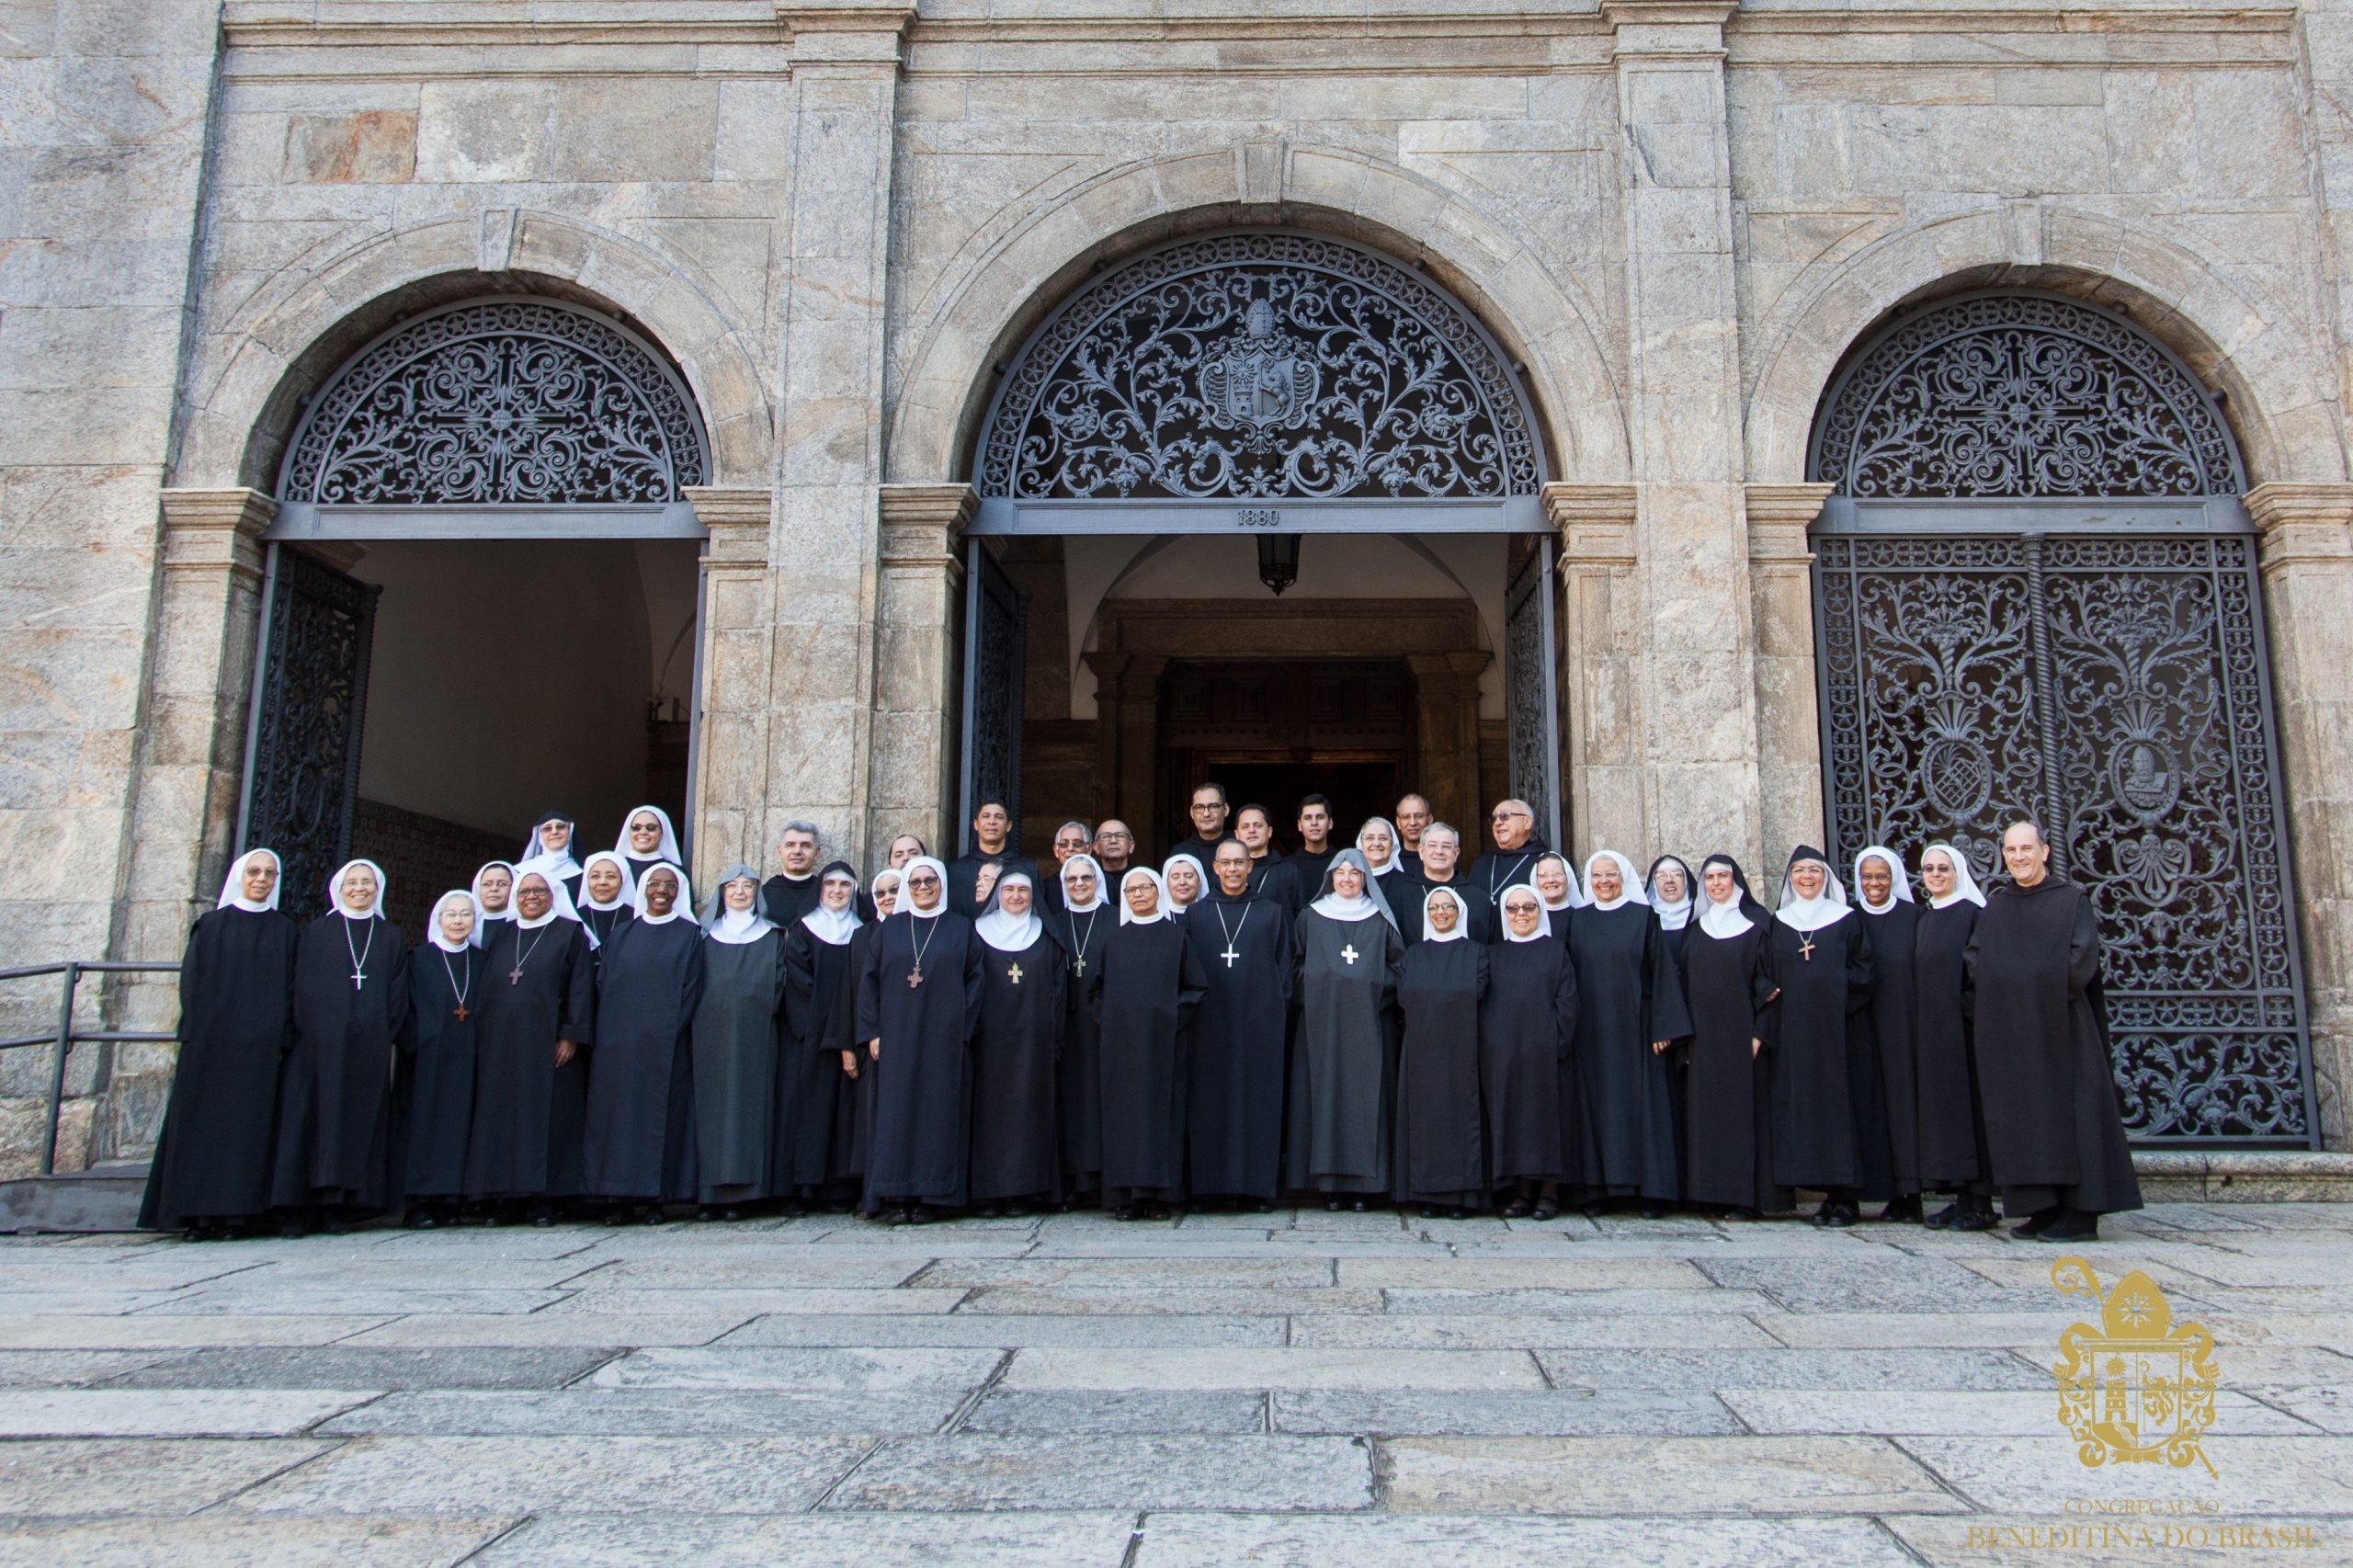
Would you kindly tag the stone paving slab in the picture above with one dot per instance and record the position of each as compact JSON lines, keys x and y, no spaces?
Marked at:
{"x":1891,"y":1370}
{"x":1658,"y":1476}
{"x":361,"y":1366}
{"x":800,"y":1370}
{"x":469,"y":1476}
{"x":618,"y":1330}
{"x":1255,"y":1474}
{"x":1575,"y":1303}
{"x":1006,"y":1412}
{"x":380,"y":1300}
{"x":1085,"y":1300}
{"x":822,"y":1541}
{"x":247,"y":1544}
{"x":1567,"y":1413}
{"x":660,"y":1413}
{"x":1010,"y":1331}
{"x":600,"y":1302}
{"x":115,"y":1478}
{"x":1946,"y":1411}
{"x":1500,"y":1331}
{"x":1452,"y":1371}
{"x":1983,"y":1540}
{"x":1222,"y":1541}
{"x":170,"y":1413}
{"x":69,"y":1368}
{"x":2254,"y":1477}
{"x":153,"y":1332}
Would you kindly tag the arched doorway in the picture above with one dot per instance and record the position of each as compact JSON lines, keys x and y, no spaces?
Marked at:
{"x":1266,"y":505}
{"x":480,"y":600}
{"x":2035,"y":593}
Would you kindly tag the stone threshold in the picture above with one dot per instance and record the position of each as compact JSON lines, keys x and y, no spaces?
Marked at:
{"x":2247,"y":1176}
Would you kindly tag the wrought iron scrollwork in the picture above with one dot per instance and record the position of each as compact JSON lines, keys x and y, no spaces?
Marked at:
{"x":504,"y":401}
{"x":1530,"y":692}
{"x":1254,"y":366}
{"x":305,"y":784}
{"x":2016,"y":395}
{"x":996,"y":640}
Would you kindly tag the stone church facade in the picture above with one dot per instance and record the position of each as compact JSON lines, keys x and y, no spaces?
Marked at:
{"x":1674,"y":229}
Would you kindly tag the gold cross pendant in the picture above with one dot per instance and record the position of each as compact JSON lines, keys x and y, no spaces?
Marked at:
{"x":1805,"y":946}
{"x":1013,"y":974}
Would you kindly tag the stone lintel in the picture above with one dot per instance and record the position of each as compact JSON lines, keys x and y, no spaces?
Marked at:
{"x":2303,"y":523}
{"x":922,"y":524}
{"x":1596,"y":523}
{"x":738,"y":523}
{"x":1650,"y":30}
{"x":846,"y":32}
{"x":1778,"y":516}
{"x":216,"y":530}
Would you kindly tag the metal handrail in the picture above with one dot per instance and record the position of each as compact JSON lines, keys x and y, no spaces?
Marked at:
{"x":63,"y":1041}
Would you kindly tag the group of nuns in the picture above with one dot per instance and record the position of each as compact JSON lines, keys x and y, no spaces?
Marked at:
{"x":993,"y":1038}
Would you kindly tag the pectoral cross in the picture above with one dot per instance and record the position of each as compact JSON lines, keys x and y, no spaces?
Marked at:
{"x":1229,"y":955}
{"x":515,"y":975}
{"x":1805,"y":946}
{"x":358,"y":978}
{"x":459,"y":1012}
{"x":1013,"y":974}
{"x":1081,"y":965}
{"x":914,"y":977}
{"x":1350,"y":953}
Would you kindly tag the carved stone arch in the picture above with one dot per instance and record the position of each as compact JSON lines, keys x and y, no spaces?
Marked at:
{"x":1255,"y":365}
{"x":993,"y":296}
{"x":515,"y":399}
{"x":252,"y":375}
{"x":2238,"y":342}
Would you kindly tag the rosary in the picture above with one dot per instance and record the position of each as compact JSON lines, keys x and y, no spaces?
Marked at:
{"x":359,"y":958}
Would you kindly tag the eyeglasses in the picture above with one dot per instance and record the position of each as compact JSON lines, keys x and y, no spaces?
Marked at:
{"x":923,"y":881}
{"x":1509,"y":817}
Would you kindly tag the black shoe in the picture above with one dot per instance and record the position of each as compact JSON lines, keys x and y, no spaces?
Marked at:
{"x":1974,"y":1216}
{"x":1517,"y":1208}
{"x":2073,"y":1225}
{"x":1902,"y":1210}
{"x":1357,"y":1206}
{"x":1942,"y":1219}
{"x":1839,"y":1217}
{"x":1545,"y":1209}
{"x":920,"y":1214}
{"x":1596,"y":1210}
{"x":1822,"y":1215}
{"x":1458,"y":1213}
{"x":1653,"y":1212}
{"x":2036,"y":1224}
{"x":1332,"y":1205}
{"x":1427,"y":1211}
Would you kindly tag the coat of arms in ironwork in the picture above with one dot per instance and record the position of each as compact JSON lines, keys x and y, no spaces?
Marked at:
{"x":2136,"y":1390}
{"x":1264,"y":380}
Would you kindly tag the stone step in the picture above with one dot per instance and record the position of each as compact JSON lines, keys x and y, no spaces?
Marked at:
{"x":103,"y":1198}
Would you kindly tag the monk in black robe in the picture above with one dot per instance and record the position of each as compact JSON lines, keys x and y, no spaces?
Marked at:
{"x":738,"y":1037}
{"x":1889,"y":1127}
{"x":1952,"y":1127}
{"x":793,"y":891}
{"x":639,"y":1146}
{"x":1511,"y":863}
{"x":1016,"y":1145}
{"x":335,"y":1103}
{"x":210,"y":1172}
{"x":1728,"y":988}
{"x":992,"y":844}
{"x":1539,"y":1131}
{"x":1317,"y":842}
{"x":919,"y":1003}
{"x":2052,"y":1123}
{"x":1210,"y":813}
{"x":1821,"y":1052}
{"x":538,"y":1016}
{"x":1241,"y":942}
{"x":1343,"y":1065}
{"x":1151,"y":984}
{"x":435,"y":1088}
{"x":1272,"y":876}
{"x":1441,"y":1162}
{"x":1081,"y":926}
{"x":1629,"y":1012}
{"x":816,"y":1110}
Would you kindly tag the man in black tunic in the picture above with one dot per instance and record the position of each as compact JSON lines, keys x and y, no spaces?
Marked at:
{"x":991,"y":845}
{"x":1441,"y":848}
{"x":211,"y":1169}
{"x":1413,"y":819}
{"x":1243,"y":943}
{"x":2052,"y":1123}
{"x":1511,"y":863}
{"x":1271,"y":874}
{"x":1317,"y":844}
{"x":1891,"y":1148}
{"x":792,"y":892}
{"x":1072,"y":838}
{"x":1208,"y":812}
{"x":1115,"y":849}
{"x":538,"y":1014}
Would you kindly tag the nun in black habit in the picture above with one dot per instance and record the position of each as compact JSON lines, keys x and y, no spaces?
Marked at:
{"x":1889,"y":1126}
{"x":1182,"y":880}
{"x":608,"y":890}
{"x":211,"y":1173}
{"x":856,"y":1055}
{"x":2051,"y":1121}
{"x":539,"y":1016}
{"x":493,"y":890}
{"x":1668,"y":885}
{"x":738,"y":1037}
{"x":1820,"y":1049}
{"x":1538,"y":1128}
{"x":816,"y":1104}
{"x":1082,"y":926}
{"x":1953,"y":1126}
{"x":1241,"y":940}
{"x":647,"y":840}
{"x":1152,"y":983}
{"x":1629,"y":1012}
{"x":1017,"y":1146}
{"x":334,"y":1103}
{"x":639,"y":1148}
{"x":1376,"y":842}
{"x":1441,"y":1159}
{"x":1728,"y":988}
{"x":437,"y":1078}
{"x":1344,"y":1063}
{"x":549,"y":849}
{"x":918,"y":1003}
{"x":1556,"y":890}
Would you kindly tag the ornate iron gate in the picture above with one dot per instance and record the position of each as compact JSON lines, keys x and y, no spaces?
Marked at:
{"x":302,"y":747}
{"x":1988,"y":649}
{"x":996,"y":626}
{"x":1531,"y":695}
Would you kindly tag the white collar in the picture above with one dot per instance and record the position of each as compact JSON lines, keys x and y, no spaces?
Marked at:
{"x":1810,"y":913}
{"x":1160,"y":907}
{"x":1004,"y":931}
{"x":233,"y":889}
{"x":737,"y":927}
{"x":1726,"y":920}
{"x":554,"y":862}
{"x":433,"y":922}
{"x":832,"y":926}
